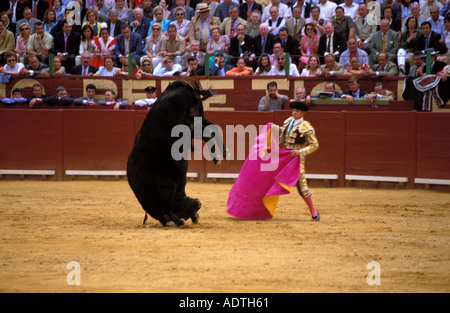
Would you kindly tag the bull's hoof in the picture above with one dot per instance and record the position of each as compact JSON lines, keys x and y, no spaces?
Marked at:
{"x":195,"y":218}
{"x":173,"y":224}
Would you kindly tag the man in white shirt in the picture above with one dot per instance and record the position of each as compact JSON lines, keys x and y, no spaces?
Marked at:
{"x":167,"y":67}
{"x":350,"y":8}
{"x":327,"y":9}
{"x":283,"y":10}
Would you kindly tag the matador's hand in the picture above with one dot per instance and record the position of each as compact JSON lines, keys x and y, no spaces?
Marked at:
{"x":295,"y":153}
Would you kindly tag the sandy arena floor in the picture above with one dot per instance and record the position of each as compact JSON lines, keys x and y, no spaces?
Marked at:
{"x":46,"y":225}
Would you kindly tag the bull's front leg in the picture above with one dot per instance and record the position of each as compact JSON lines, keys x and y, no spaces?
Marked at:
{"x":212,"y":136}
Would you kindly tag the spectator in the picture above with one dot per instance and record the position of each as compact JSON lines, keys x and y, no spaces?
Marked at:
{"x":140,"y":23}
{"x":218,"y":43}
{"x":240,"y":69}
{"x":395,"y":8}
{"x":173,"y":45}
{"x":332,"y":42}
{"x":212,"y":7}
{"x":194,"y":52}
{"x":104,"y":46}
{"x":350,"y":8}
{"x":223,"y":9}
{"x":16,"y":97}
{"x":264,"y":66}
{"x":40,"y":43}
{"x":229,"y":25}
{"x":123,"y":10}
{"x":327,"y":9}
{"x":436,"y":20}
{"x":275,"y":22}
{"x":296,"y":23}
{"x":247,"y":8}
{"x":415,"y":11}
{"x":396,"y":24}
{"x":277,"y":48}
{"x":37,"y":96}
{"x":219,"y":68}
{"x":7,"y":22}
{"x":408,"y":42}
{"x":309,"y":44}
{"x":331,"y":68}
{"x":353,"y":50}
{"x":193,"y":68}
{"x":241,"y":45}
{"x":153,"y":44}
{"x":146,"y":69}
{"x":58,"y":68}
{"x":188,"y":11}
{"x":28,"y":19}
{"x":49,"y":20}
{"x":38,"y":8}
{"x":355,"y":68}
{"x":290,"y":44}
{"x":252,"y":27}
{"x":330,"y":88}
{"x":272,"y":100}
{"x":283,"y":10}
{"x":93,"y":22}
{"x":102,"y":10}
{"x":128,"y":43}
{"x":91,"y":91}
{"x":418,"y":69}
{"x":110,"y":99}
{"x":383,"y":68}
{"x":429,"y":39}
{"x":427,"y":5}
{"x":343,"y":24}
{"x":385,"y":40}
{"x":316,"y":20}
{"x":14,"y":9}
{"x":62,"y":97}
{"x":446,"y":34}
{"x":108,"y":69}
{"x":150,"y":93}
{"x":8,"y":44}
{"x":113,"y":24}
{"x":263,"y":43}
{"x":364,"y":30}
{"x":59,"y":9}
{"x":67,"y":45}
{"x":12,"y":67}
{"x":279,"y":68}
{"x":380,"y":93}
{"x":34,"y":66}
{"x":181,"y":23}
{"x":86,"y":43}
{"x":354,"y":91}
{"x":158,"y":15}
{"x":147,"y":7}
{"x":300,"y":95}
{"x":165,"y":5}
{"x":312,"y":69}
{"x":167,"y":67}
{"x":84,"y":68}
{"x":202,"y":25}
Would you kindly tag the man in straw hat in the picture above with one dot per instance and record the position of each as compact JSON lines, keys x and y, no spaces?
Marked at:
{"x":200,"y":26}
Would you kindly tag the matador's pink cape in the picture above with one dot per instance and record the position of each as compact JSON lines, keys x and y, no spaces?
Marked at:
{"x":267,"y":173}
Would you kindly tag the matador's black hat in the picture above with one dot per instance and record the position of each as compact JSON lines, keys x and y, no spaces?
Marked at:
{"x":302,"y":106}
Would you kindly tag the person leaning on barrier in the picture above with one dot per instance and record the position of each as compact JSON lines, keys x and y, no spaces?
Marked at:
{"x":17,"y":97}
{"x":34,"y":67}
{"x":110,"y":99}
{"x":37,"y":97}
{"x":91,"y":91}
{"x":331,"y":68}
{"x":380,"y":93}
{"x":62,"y":97}
{"x":354,"y":91}
{"x":272,"y":100}
{"x":383,"y":68}
{"x":300,"y":95}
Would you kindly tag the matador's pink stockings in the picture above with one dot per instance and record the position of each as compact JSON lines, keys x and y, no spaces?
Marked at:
{"x":310,"y":204}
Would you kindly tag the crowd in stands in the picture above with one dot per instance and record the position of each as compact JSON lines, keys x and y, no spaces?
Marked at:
{"x":301,"y":38}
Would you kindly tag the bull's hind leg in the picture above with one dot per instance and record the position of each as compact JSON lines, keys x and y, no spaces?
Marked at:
{"x":167,"y":201}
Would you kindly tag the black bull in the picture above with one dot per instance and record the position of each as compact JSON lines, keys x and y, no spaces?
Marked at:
{"x":157,"y":178}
